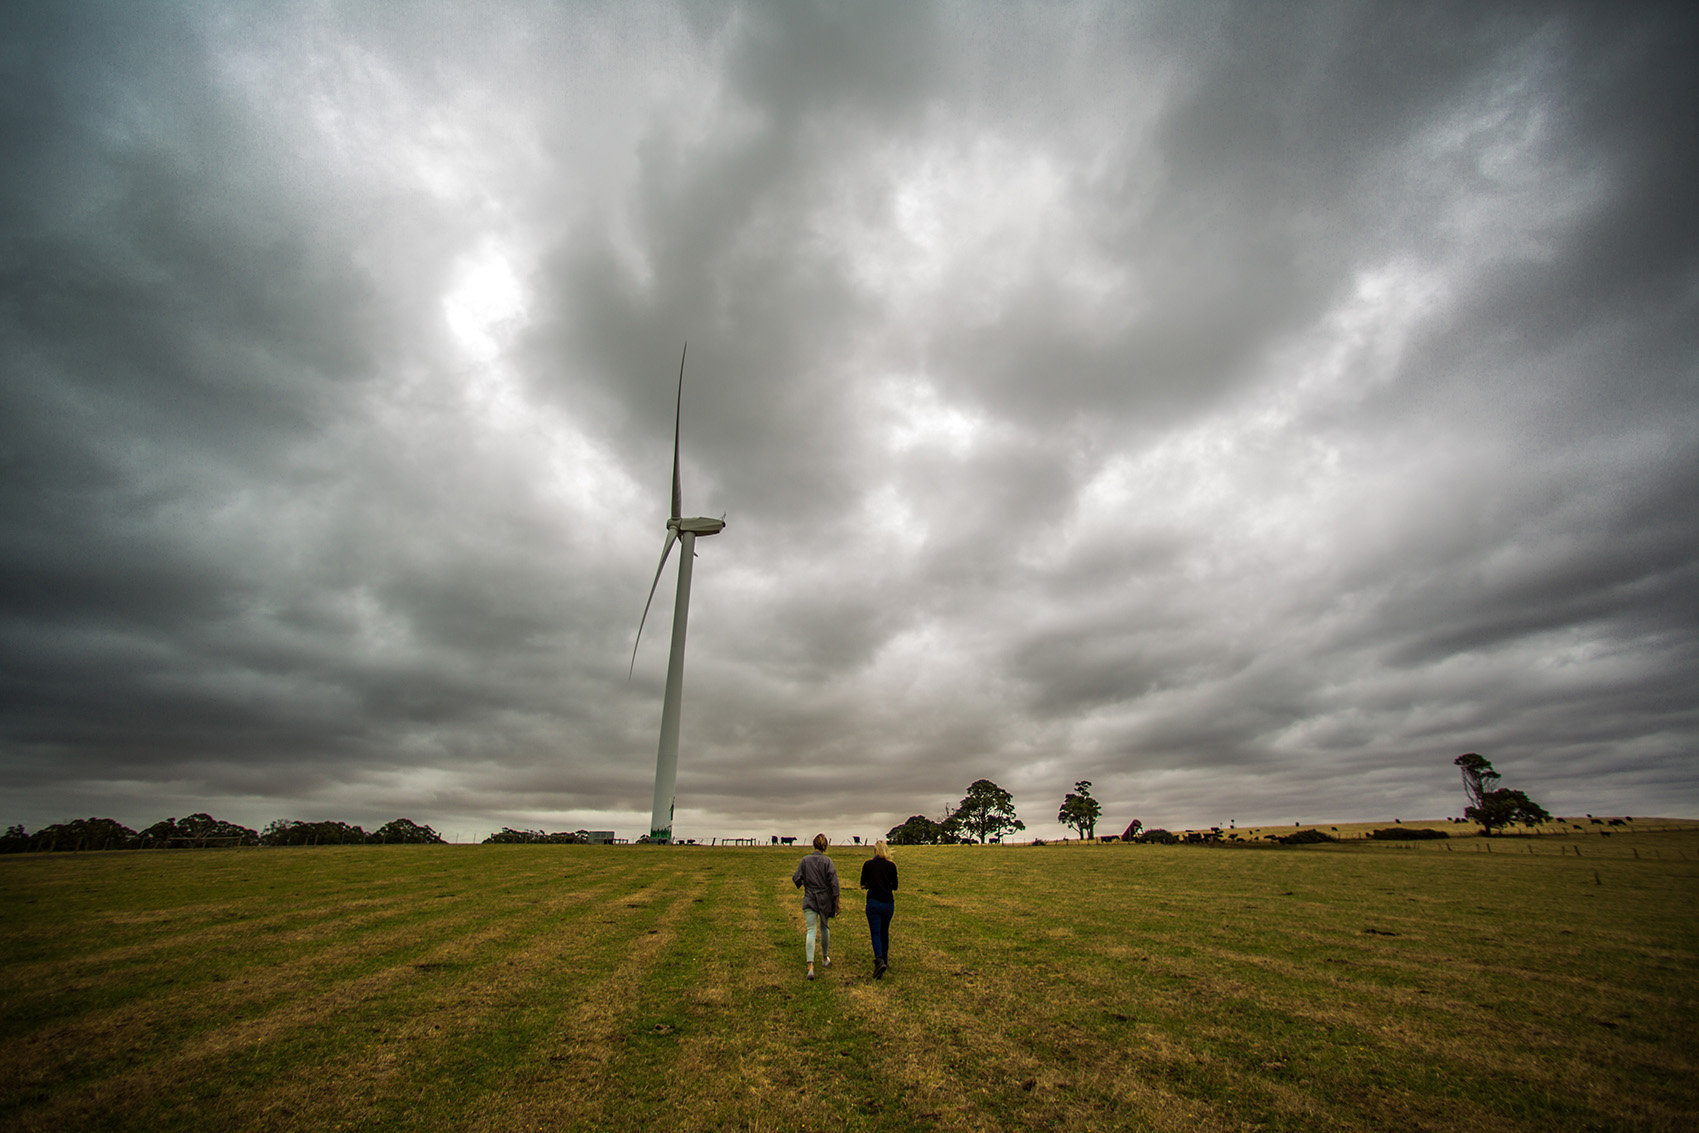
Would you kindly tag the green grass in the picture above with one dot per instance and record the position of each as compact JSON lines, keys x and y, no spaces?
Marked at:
{"x":1550,"y":983}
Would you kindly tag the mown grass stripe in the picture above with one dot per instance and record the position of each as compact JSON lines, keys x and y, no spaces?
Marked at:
{"x":491,"y":1018}
{"x":308,"y":993}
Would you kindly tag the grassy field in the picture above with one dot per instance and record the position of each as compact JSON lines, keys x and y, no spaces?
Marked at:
{"x":1550,"y":983}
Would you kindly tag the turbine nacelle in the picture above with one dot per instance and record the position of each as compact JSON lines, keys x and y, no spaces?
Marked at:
{"x":700,"y":525}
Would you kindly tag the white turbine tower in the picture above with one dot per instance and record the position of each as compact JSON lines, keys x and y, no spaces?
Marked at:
{"x":684,"y":531}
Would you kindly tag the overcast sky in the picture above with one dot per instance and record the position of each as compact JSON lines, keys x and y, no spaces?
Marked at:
{"x":1245,"y":407}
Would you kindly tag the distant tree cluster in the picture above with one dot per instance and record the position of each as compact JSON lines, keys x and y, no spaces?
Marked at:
{"x":399,"y":831}
{"x":202,"y":831}
{"x":198,"y":831}
{"x":509,"y":836}
{"x":80,"y":834}
{"x":1406,"y":834}
{"x":921,"y":831}
{"x":986,"y":813}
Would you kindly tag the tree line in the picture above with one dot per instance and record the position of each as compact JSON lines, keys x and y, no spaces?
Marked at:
{"x":202,"y":831}
{"x":985,"y":814}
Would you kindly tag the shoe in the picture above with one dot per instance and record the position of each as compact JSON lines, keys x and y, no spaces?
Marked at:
{"x":879,"y":967}
{"x":828,"y":961}
{"x":811,"y":973}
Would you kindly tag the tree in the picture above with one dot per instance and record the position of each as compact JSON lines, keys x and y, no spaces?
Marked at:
{"x":1504,"y":806}
{"x":510,"y":836}
{"x":1079,"y":810}
{"x":83,"y":834}
{"x":1478,"y":776}
{"x":289,"y":832}
{"x":1493,"y":806}
{"x":197,"y":831}
{"x":407,"y":831}
{"x":918,"y":831}
{"x":987,"y":811}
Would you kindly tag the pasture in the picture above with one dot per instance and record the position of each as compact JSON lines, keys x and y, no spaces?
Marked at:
{"x":1551,"y":983}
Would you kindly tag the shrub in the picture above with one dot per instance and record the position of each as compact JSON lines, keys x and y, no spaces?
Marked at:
{"x":1306,"y":837}
{"x":1406,"y":834}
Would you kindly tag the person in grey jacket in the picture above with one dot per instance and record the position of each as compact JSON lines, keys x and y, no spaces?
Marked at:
{"x":817,"y":877}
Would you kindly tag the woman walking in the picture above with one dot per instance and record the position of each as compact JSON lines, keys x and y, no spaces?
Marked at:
{"x":817,"y":877}
{"x":879,"y":878}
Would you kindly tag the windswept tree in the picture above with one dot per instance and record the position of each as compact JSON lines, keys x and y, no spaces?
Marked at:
{"x":1478,"y":776}
{"x":987,"y":811}
{"x":1079,"y":810}
{"x":1491,"y":805}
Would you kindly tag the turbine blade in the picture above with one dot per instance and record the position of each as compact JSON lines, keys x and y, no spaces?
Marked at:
{"x":666,"y":549}
{"x":678,"y":409}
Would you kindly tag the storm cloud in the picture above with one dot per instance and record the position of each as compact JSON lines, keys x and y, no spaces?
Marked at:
{"x":1247,"y":408}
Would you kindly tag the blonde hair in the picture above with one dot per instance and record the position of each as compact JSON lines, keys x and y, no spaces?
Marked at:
{"x":880,"y":850}
{"x":821,"y":842}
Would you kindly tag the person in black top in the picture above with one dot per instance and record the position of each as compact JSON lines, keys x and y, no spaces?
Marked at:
{"x":879,"y":878}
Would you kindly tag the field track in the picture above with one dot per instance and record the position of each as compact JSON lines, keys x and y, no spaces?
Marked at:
{"x":1551,"y":983}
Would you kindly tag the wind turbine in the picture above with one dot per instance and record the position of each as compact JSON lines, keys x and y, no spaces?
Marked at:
{"x":683,"y":531}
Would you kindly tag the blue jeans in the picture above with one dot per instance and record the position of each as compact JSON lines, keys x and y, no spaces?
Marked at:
{"x":879,"y":914}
